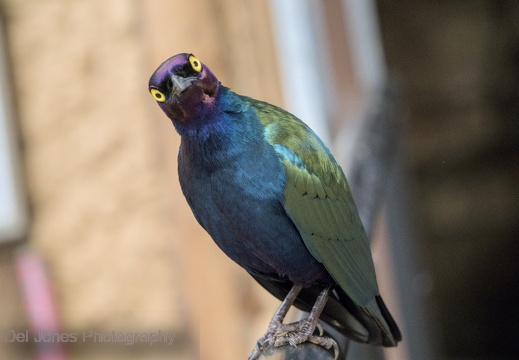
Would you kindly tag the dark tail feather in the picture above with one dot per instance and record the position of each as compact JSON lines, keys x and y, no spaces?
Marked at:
{"x":393,"y":327}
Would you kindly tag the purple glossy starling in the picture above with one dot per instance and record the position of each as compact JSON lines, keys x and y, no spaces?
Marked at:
{"x":275,"y":200}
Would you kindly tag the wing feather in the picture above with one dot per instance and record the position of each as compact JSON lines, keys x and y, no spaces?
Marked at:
{"x":332,"y":231}
{"x":319,"y":202}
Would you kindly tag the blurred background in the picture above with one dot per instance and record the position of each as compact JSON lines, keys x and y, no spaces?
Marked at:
{"x":88,"y":165}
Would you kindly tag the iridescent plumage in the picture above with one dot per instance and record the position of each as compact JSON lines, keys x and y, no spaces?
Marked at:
{"x":273,"y":198}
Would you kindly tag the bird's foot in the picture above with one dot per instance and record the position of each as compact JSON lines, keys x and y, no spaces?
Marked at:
{"x":267,"y":341}
{"x":304,"y":333}
{"x":269,"y":338}
{"x":294,"y":334}
{"x":276,"y":329}
{"x":296,"y":338}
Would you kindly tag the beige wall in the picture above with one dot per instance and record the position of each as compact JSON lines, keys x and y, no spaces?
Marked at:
{"x":107,"y":214}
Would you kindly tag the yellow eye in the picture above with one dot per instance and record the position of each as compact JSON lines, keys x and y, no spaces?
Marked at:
{"x":157,"y":95}
{"x":195,"y":63}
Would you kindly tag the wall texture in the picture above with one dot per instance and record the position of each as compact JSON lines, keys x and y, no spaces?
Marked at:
{"x":107,"y":215}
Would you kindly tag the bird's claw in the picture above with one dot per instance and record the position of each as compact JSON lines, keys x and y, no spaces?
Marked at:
{"x":325,"y":342}
{"x":265,"y":343}
{"x":268,"y":340}
{"x":295,"y":338}
{"x":292,"y":334}
{"x":276,"y":329}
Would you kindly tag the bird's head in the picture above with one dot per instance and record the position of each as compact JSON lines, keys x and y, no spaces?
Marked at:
{"x":183,"y":87}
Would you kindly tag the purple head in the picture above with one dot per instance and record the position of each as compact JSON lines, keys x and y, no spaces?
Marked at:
{"x":183,"y":87}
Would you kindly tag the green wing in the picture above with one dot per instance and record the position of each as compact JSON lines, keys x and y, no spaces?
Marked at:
{"x":318,"y":200}
{"x":328,"y":221}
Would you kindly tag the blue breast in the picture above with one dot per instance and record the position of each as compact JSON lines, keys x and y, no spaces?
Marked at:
{"x":234,"y":182}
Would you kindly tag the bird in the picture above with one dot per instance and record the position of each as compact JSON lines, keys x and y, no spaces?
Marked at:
{"x":275,"y":200}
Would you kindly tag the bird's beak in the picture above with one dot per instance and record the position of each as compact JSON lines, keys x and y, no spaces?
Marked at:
{"x":180,"y":84}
